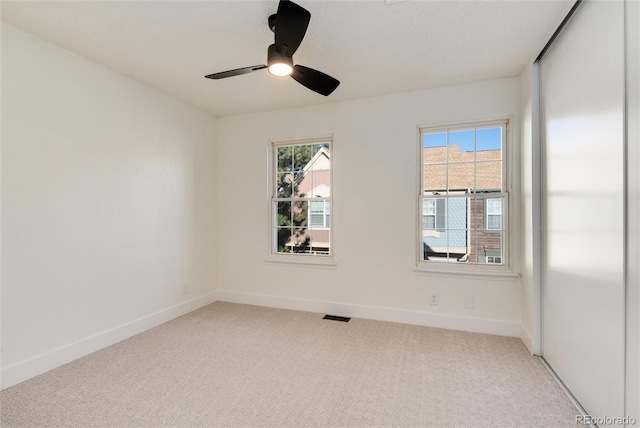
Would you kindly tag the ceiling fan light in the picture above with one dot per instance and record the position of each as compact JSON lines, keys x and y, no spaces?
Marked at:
{"x":280,"y":69}
{"x":279,"y":64}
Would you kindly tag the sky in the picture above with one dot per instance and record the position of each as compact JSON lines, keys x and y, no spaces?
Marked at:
{"x":486,"y":139}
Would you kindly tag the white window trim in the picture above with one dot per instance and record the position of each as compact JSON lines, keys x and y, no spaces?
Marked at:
{"x":299,"y":259}
{"x":497,"y":272}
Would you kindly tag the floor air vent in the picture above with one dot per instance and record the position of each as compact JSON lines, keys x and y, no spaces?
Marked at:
{"x":336,"y":318}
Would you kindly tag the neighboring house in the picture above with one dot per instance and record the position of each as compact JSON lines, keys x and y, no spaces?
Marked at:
{"x":462,"y":229}
{"x":314,"y":181}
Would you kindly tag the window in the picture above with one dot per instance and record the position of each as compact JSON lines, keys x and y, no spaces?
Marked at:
{"x":320,"y":214}
{"x":433,"y":214}
{"x":493,"y":257}
{"x":463,"y":195}
{"x":493,"y":209}
{"x":301,"y":198}
{"x":429,"y":214}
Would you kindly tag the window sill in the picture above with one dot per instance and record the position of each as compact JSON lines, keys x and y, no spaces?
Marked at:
{"x":488,"y":273}
{"x":302,"y":261}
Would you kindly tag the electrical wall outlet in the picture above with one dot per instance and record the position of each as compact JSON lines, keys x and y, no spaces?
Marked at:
{"x":434,"y":299}
{"x":468,"y":302}
{"x":185,"y":288}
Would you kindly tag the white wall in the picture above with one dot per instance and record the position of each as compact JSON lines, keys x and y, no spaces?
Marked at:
{"x":530,"y":242}
{"x":375,"y":188}
{"x":108,"y":206}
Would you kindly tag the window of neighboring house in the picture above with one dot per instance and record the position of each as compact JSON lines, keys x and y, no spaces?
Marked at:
{"x":320,"y":214}
{"x":493,"y":257}
{"x":301,"y":198}
{"x":429,"y":214}
{"x":493,"y":209}
{"x":464,"y":196}
{"x":433,"y":214}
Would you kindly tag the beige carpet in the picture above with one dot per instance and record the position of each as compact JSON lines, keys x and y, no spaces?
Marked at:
{"x":233,"y":365}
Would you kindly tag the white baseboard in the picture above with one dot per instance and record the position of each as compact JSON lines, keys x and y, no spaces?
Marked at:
{"x":39,"y":364}
{"x":476,"y":325}
{"x":527,"y":339}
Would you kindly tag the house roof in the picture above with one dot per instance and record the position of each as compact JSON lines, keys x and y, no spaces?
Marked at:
{"x":483,"y":174}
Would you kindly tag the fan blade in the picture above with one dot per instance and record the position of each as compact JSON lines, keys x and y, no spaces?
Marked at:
{"x":315,"y":80}
{"x":291,"y":25}
{"x":236,"y":72}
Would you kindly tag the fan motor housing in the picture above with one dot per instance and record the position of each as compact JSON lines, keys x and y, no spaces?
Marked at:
{"x":273,"y":56}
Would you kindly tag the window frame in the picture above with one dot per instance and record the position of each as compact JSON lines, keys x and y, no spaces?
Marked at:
{"x":309,"y":259}
{"x":504,"y":270}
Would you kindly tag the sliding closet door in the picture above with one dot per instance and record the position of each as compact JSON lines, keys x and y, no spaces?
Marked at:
{"x":582,"y":98}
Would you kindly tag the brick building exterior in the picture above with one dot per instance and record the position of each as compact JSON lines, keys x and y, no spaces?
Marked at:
{"x":457,"y":224}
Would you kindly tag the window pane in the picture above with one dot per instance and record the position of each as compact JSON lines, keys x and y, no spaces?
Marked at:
{"x":314,"y":176}
{"x":319,"y":214}
{"x":456,"y":155}
{"x":282,"y":214}
{"x":488,"y":244}
{"x":428,"y":222}
{"x":489,"y":139}
{"x":494,"y":206}
{"x":431,"y":248}
{"x":284,"y":185}
{"x":461,"y":146}
{"x":494,"y":222}
{"x":435,"y":178}
{"x":488,"y":176}
{"x":291,"y":213}
{"x":284,"y":159}
{"x":302,"y":154}
{"x":282,"y":238}
{"x":493,"y":250}
{"x":428,"y":207}
{"x":435,"y":147}
{"x":476,"y":219}
{"x":457,"y":213}
{"x":435,"y":139}
{"x":441,"y":213}
{"x":317,"y":206}
{"x":300,"y":241}
{"x":317,"y":220}
{"x":461,"y":176}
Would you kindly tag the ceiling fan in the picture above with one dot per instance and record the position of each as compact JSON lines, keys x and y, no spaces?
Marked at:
{"x":289,"y":24}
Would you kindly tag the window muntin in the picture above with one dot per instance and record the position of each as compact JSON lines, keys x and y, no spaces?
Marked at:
{"x":463,"y":196}
{"x":301,"y":198}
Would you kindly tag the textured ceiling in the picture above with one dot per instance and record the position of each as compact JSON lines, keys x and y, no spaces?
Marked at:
{"x":372,"y":47}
